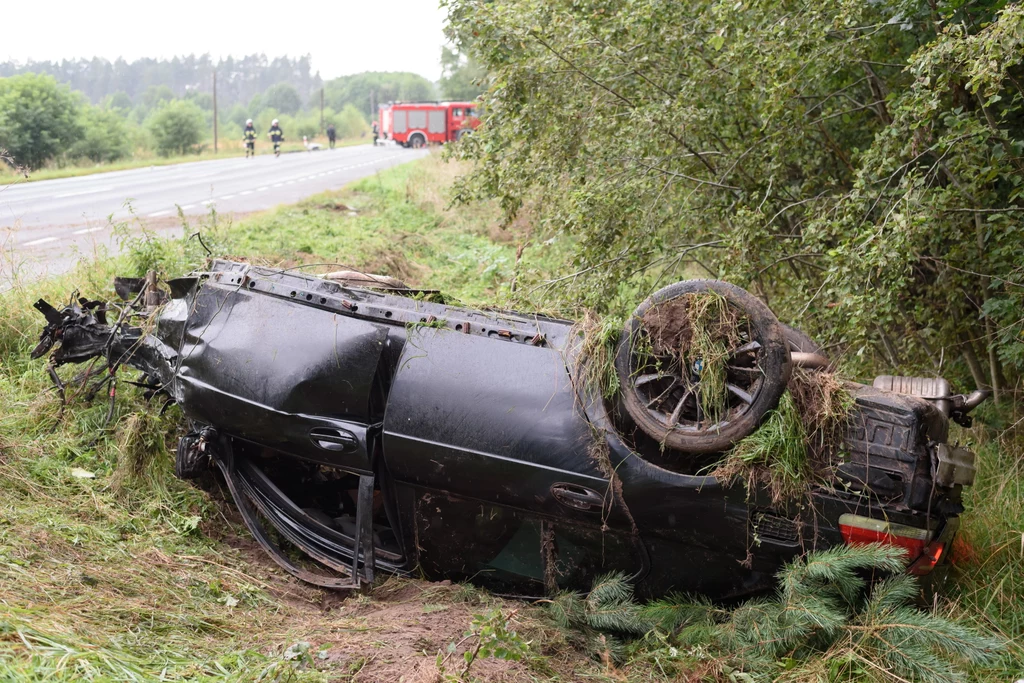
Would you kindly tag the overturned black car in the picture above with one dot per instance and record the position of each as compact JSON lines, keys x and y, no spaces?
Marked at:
{"x":376,"y":430}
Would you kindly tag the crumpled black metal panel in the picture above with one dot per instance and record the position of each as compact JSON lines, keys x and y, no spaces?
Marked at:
{"x":270,"y":371}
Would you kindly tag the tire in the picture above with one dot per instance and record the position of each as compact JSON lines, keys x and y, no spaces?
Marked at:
{"x":463,"y":132}
{"x":757,"y":373}
{"x":800,"y":342}
{"x":417,"y":140}
{"x":189,"y":461}
{"x":804,"y":352}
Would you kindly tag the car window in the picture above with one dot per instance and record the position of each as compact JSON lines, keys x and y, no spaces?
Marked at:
{"x":457,"y":111}
{"x":469,"y":111}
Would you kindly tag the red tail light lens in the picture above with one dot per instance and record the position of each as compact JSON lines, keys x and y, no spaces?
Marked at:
{"x":929,"y":559}
{"x":858,"y":530}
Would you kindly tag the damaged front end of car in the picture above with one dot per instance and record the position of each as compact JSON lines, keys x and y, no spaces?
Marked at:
{"x":375,"y":429}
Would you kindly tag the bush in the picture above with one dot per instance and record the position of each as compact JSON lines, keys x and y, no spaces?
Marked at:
{"x":282,"y":97}
{"x":860,"y":165}
{"x":350,"y":123}
{"x":105,"y":137}
{"x":308,"y":125}
{"x":38,"y":118}
{"x":238,"y":115}
{"x":825,"y":623}
{"x":177,"y":128}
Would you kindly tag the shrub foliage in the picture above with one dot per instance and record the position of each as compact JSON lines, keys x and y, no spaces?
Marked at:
{"x":857,"y":163}
{"x":825,"y":623}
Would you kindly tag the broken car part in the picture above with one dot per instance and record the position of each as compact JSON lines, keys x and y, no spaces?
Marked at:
{"x":380,"y":432}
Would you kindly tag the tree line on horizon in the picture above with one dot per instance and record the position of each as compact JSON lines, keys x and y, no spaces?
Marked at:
{"x":101,"y":111}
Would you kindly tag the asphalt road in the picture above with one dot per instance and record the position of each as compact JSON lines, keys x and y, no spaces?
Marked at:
{"x":46,"y":225}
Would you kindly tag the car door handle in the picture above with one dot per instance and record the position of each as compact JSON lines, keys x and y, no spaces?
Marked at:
{"x":577,"y":497}
{"x":336,"y":440}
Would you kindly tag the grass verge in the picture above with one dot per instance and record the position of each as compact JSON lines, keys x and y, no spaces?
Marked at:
{"x":112,"y":570}
{"x":227,"y":151}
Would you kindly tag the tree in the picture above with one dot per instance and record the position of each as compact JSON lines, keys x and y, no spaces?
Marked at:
{"x":38,"y":118}
{"x":104,"y":138}
{"x":156,"y":95}
{"x":855,"y":163}
{"x":177,"y":127}
{"x":282,"y":97}
{"x":238,"y":79}
{"x":377,"y":87}
{"x":350,"y":123}
{"x":119,"y":102}
{"x":255,"y":105}
{"x":461,"y":76}
{"x":238,"y":115}
{"x":203,"y":100}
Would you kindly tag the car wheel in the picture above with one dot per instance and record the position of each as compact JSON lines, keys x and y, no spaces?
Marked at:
{"x":463,"y":132}
{"x":800,"y":342}
{"x":189,"y":461}
{"x":804,"y":351}
{"x":417,"y":141}
{"x":688,"y":403}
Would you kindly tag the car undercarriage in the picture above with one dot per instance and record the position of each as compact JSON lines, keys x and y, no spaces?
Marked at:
{"x":370,"y":428}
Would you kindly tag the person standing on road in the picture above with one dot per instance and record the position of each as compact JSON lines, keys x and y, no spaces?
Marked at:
{"x":331,"y":133}
{"x":376,"y":133}
{"x":276,"y":136}
{"x":249,"y":138}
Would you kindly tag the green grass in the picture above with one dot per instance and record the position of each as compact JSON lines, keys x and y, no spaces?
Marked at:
{"x":133,"y":575}
{"x":988,"y":585}
{"x":228,"y":150}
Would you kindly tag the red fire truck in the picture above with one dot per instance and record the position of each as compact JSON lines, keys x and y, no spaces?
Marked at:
{"x":415,"y":124}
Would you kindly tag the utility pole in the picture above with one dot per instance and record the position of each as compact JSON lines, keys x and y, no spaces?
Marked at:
{"x":214,"y":112}
{"x":321,"y":111}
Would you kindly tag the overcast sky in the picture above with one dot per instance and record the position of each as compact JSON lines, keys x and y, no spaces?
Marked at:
{"x":342,"y":37}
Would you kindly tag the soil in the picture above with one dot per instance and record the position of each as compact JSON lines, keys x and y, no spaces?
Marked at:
{"x":672,"y":325}
{"x":669,"y":326}
{"x":395,"y":631}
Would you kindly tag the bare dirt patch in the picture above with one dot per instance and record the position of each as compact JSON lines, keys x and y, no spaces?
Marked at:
{"x":395,"y":631}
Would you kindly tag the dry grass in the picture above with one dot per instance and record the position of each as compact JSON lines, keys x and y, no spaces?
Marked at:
{"x":134,"y":575}
{"x":823,"y":403}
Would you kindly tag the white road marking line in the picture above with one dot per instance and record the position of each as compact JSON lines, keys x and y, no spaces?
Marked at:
{"x":228,"y":196}
{"x":43,"y":240}
{"x":242,"y":194}
{"x":278,"y":184}
{"x":321,"y":175}
{"x":290,"y":182}
{"x":207,"y":202}
{"x":261,"y":189}
{"x":86,"y":231}
{"x":79,"y":194}
{"x":186,"y":207}
{"x":158,"y":214}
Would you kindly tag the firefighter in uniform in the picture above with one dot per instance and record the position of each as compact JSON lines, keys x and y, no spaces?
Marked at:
{"x":276,"y":136}
{"x":249,"y":138}
{"x":376,"y":133}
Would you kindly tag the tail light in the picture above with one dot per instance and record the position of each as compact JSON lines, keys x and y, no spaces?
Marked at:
{"x":917,"y":543}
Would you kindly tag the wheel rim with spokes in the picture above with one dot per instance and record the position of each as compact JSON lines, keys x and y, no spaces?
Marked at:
{"x":674,"y":391}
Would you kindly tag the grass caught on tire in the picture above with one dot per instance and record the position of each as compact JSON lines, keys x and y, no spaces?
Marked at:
{"x":696,"y":331}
